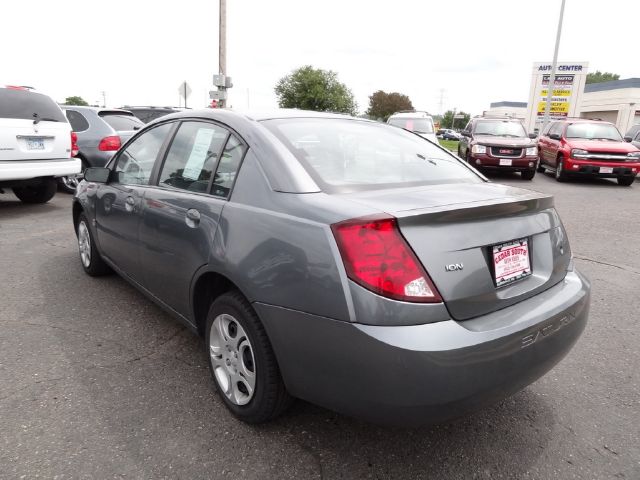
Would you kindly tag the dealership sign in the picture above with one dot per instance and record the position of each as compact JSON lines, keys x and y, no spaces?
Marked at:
{"x":567,"y":89}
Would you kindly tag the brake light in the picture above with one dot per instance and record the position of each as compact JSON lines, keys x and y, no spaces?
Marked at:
{"x":377,"y":257}
{"x":74,"y":144}
{"x":108,"y":144}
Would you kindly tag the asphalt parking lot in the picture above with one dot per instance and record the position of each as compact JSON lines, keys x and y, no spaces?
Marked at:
{"x":97,"y":382}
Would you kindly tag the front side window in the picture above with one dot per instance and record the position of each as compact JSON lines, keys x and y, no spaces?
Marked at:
{"x":417,"y":125}
{"x":500,"y":128}
{"x":192,"y":156}
{"x":350,"y":155}
{"x":135,"y":163}
{"x":556,"y":128}
{"x":593,"y":131}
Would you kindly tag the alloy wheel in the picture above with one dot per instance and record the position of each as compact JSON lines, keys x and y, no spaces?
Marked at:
{"x":84,"y":244}
{"x":232,"y":359}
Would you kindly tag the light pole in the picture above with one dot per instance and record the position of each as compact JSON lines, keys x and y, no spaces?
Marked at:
{"x":453,"y":118}
{"x":552,"y":76}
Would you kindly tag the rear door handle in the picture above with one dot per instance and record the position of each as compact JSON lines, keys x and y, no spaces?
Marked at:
{"x":192,"y":218}
{"x":130,"y":204}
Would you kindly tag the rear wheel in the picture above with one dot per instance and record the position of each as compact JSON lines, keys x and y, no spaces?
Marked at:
{"x":41,"y":192}
{"x":242,"y":362}
{"x":90,"y":258}
{"x":561,"y":176}
{"x":626,"y":181}
{"x":528,"y":174}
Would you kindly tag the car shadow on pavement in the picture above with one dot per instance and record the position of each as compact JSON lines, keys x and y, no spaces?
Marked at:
{"x":11,"y":207}
{"x":132,"y":382}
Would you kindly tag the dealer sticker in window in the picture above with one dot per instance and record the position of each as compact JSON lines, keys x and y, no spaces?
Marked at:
{"x":511,"y":261}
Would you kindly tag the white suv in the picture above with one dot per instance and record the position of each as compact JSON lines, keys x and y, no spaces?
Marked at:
{"x":36,"y":144}
{"x":416,"y":122}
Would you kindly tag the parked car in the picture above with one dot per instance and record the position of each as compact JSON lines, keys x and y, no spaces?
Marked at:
{"x":498,"y":143}
{"x":338,"y":260}
{"x":449,"y":134}
{"x":148,"y":114}
{"x":36,"y":144}
{"x":417,"y":122}
{"x":101,"y":132}
{"x":635,"y":141}
{"x":632,"y":133}
{"x":580,"y":147}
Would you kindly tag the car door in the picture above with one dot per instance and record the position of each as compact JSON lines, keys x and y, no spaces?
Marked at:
{"x":118,"y":203}
{"x":182,"y":210}
{"x":544,"y":144}
{"x":553,"y":145}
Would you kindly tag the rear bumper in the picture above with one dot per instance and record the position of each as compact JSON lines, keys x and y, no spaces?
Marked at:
{"x":25,"y":169}
{"x":411,"y":375}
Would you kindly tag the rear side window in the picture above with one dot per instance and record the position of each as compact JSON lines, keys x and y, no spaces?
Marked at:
{"x":350,"y":155}
{"x":121,"y":121}
{"x":27,"y":105}
{"x":77,"y":121}
{"x":192,"y":156}
{"x":228,"y":167}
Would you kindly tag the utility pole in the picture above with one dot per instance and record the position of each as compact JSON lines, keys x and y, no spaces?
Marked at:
{"x":453,"y":118}
{"x":441,"y":103}
{"x":104,"y":99}
{"x":552,"y":76}
{"x":222,"y":48}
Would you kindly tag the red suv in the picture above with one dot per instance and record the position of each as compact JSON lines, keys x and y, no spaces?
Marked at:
{"x":587,"y":147}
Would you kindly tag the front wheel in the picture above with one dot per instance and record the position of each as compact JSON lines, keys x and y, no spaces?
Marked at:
{"x":528,"y":174}
{"x":41,"y":192}
{"x":242,"y":362}
{"x":626,"y":181}
{"x":92,"y":262}
{"x":561,"y":176}
{"x":539,"y":167}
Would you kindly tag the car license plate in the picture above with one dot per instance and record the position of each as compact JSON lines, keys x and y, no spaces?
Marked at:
{"x":505,"y":162}
{"x":35,"y":143}
{"x":511,"y":261}
{"x":606,"y":169}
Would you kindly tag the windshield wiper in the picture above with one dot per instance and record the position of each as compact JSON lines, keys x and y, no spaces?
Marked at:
{"x":38,"y":119}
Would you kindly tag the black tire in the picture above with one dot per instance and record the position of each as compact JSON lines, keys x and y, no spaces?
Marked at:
{"x":37,"y":193}
{"x":561,"y":176}
{"x":626,"y":181}
{"x":528,"y":174}
{"x":459,"y":152}
{"x":539,"y":167}
{"x":96,"y":266}
{"x":270,"y":397}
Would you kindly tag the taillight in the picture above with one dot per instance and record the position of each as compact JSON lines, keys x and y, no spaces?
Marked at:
{"x":376,"y":256}
{"x":108,"y":144}
{"x":74,"y":144}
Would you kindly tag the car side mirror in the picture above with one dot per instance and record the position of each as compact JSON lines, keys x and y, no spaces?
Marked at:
{"x":627,"y":139}
{"x":533,"y":136}
{"x":554,"y":136}
{"x":97,"y":174}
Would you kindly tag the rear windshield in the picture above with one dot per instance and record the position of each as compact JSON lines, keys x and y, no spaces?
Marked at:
{"x":349,"y":155}
{"x":27,"y":105}
{"x":418,"y":125}
{"x":500,"y":128}
{"x":122,"y":121}
{"x":593,"y":131}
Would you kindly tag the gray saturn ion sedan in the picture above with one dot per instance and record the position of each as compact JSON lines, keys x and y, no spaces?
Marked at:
{"x":345,"y":262}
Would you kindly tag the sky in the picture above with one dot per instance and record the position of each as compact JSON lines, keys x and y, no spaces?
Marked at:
{"x":461,"y":54}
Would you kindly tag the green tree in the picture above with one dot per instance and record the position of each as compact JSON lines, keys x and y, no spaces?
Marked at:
{"x":599,"y":77}
{"x":75,"y":100}
{"x":382,"y":104}
{"x":311,"y":88}
{"x":447,"y":118}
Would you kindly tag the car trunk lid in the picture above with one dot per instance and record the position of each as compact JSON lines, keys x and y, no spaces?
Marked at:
{"x":453,"y":228}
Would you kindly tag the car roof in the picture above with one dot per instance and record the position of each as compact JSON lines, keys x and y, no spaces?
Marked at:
{"x":95,"y":109}
{"x":410,"y":115}
{"x":257,"y":115}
